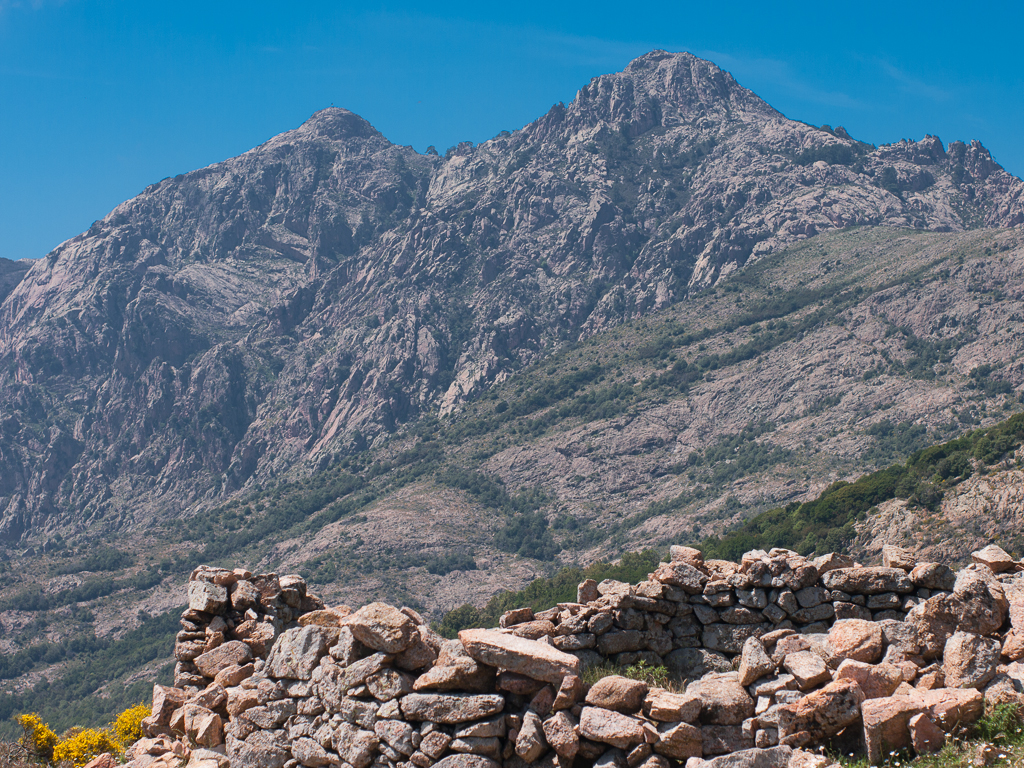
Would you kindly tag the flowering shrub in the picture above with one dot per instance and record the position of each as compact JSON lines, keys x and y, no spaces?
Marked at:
{"x":80,"y":745}
{"x":128,"y":725}
{"x":38,"y":738}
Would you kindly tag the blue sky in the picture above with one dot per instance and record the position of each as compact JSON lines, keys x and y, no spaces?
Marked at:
{"x":99,"y":98}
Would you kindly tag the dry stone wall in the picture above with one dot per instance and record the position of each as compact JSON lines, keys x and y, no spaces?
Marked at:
{"x":773,"y":655}
{"x":236,"y":616}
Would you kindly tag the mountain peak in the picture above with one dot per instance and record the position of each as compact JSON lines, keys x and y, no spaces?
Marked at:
{"x":337,"y":123}
{"x":660,"y":89}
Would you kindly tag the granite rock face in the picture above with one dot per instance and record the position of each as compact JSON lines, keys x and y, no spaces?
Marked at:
{"x":11,"y":273}
{"x":651,"y":183}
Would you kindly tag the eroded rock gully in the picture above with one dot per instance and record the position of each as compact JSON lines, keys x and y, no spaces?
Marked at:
{"x":780,"y":654}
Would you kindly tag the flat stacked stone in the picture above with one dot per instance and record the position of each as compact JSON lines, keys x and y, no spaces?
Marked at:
{"x":379,"y":688}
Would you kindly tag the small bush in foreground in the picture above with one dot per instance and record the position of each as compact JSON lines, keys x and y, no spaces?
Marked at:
{"x":38,"y":738}
{"x":77,"y":746}
{"x":654,"y":676}
{"x":128,"y":725}
{"x":80,"y":745}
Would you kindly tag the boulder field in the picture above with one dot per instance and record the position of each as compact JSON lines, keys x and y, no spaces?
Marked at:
{"x":773,"y":656}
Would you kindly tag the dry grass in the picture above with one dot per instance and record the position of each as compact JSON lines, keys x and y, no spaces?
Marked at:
{"x":14,"y":755}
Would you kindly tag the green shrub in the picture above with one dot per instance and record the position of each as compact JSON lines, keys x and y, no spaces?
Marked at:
{"x":654,"y":676}
{"x":826,"y":523}
{"x":524,"y":529}
{"x":1001,"y":723}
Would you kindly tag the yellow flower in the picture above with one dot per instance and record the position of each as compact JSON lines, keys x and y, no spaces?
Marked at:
{"x":37,"y":735}
{"x":81,"y":745}
{"x":128,"y":725}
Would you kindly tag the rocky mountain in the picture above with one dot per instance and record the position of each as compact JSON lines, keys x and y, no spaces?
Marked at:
{"x":831,"y":359}
{"x":841,"y":354}
{"x":11,"y":273}
{"x":294,"y":305}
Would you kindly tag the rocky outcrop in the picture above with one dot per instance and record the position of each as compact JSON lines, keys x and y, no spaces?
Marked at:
{"x":982,"y":507}
{"x":295,"y":302}
{"x":11,"y":273}
{"x":379,"y":687}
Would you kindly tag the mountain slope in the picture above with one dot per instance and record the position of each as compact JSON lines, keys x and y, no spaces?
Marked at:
{"x":825,"y":361}
{"x":11,"y":273}
{"x":294,"y":304}
{"x":94,"y":676}
{"x":833,"y":358}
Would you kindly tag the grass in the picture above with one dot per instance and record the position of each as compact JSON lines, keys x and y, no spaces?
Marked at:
{"x":654,"y":676}
{"x":1001,"y":729}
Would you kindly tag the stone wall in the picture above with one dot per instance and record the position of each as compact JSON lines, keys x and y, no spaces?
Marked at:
{"x":769,"y":656}
{"x":238,"y":613}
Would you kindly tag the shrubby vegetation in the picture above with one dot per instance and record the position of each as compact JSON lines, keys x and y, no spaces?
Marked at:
{"x":735,"y":456}
{"x":982,"y":380}
{"x":128,"y":725}
{"x":80,"y":745}
{"x":18,"y":663}
{"x":563,"y":399}
{"x":441,"y":565}
{"x":34,"y":599}
{"x":99,"y":558}
{"x":72,"y":696}
{"x":929,"y":353}
{"x":524,"y":528}
{"x":37,"y":736}
{"x":894,"y":439}
{"x":826,"y":523}
{"x":889,"y":181}
{"x":655,"y":676}
{"x":270,"y":511}
{"x":77,"y":745}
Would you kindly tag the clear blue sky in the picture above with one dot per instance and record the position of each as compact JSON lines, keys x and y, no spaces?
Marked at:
{"x":99,"y":98}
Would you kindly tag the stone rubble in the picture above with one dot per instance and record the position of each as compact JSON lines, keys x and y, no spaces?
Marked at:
{"x":774,"y":658}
